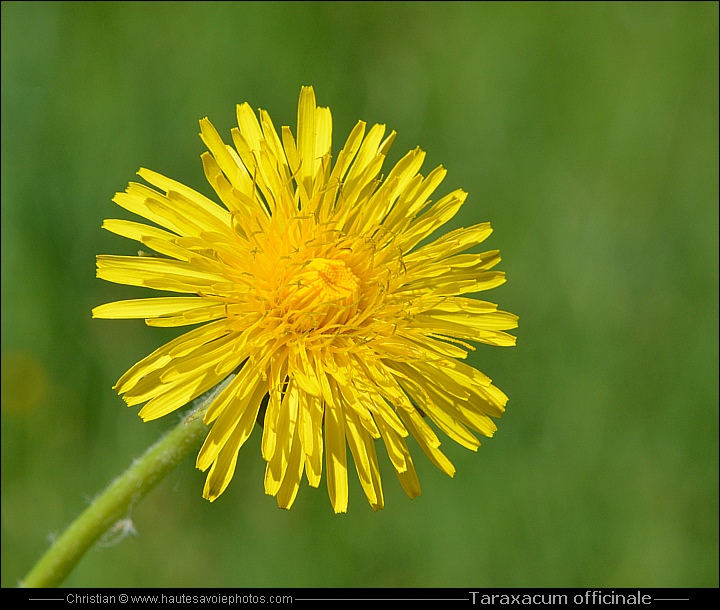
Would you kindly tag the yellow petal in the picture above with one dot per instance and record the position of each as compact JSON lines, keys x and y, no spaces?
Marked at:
{"x":151,"y":308}
{"x":336,"y":457}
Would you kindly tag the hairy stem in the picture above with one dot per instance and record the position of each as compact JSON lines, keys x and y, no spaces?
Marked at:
{"x":115,"y":502}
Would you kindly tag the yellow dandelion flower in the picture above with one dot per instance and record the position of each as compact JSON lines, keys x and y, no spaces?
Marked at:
{"x":339,"y":328}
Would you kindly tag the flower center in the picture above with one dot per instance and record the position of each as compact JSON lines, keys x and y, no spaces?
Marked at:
{"x":333,"y":280}
{"x":326,"y":282}
{"x":320,"y":292}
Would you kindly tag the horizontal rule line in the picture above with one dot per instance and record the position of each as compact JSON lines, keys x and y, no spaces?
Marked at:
{"x":382,"y":599}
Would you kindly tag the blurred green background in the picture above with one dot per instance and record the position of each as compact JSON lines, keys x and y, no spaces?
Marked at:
{"x":586,"y":133}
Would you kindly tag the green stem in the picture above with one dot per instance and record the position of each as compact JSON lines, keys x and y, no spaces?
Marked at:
{"x":115,"y":502}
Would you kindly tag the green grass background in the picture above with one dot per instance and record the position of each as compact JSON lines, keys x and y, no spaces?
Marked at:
{"x":586,"y":133}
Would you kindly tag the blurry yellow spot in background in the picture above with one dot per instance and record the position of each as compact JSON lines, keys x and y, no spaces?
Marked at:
{"x":24,"y":382}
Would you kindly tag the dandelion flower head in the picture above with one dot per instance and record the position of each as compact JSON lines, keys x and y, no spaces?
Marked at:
{"x":315,"y":301}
